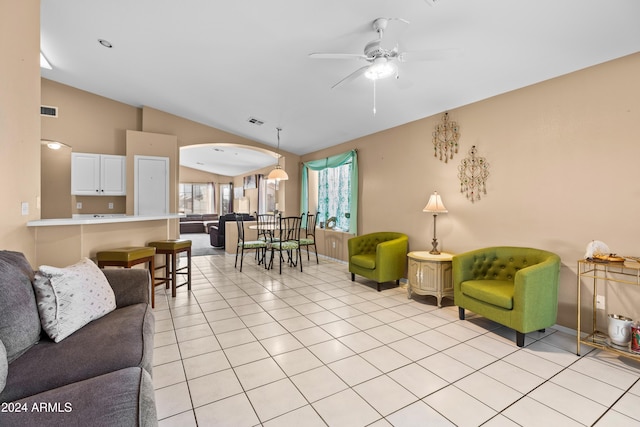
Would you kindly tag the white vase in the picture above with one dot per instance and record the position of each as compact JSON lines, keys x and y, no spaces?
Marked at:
{"x":619,"y":328}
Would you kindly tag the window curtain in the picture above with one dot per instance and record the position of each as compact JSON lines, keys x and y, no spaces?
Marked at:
{"x":332,"y":162}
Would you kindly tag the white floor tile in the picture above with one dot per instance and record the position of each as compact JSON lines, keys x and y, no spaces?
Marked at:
{"x":245,"y":353}
{"x":287,"y":399}
{"x":232,"y":411}
{"x":297,"y":361}
{"x":450,"y":401}
{"x":346,"y":409}
{"x":477,"y":385}
{"x":568,"y":403}
{"x":528,"y":412}
{"x":172,"y":400}
{"x":259,"y":373}
{"x":446,"y":367}
{"x":318,"y":383}
{"x":385,"y":358}
{"x":418,"y":414}
{"x":305,"y":416}
{"x":385,"y":395}
{"x":205,"y":364}
{"x":354,"y":370}
{"x":330,"y":351}
{"x":213,"y":387}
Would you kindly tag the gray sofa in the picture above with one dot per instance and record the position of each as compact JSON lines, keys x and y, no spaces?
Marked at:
{"x":99,"y":376}
{"x":197,"y":223}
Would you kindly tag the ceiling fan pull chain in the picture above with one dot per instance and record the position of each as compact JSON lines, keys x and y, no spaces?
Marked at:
{"x":374,"y":97}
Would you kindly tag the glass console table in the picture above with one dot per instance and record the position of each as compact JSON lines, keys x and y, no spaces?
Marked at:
{"x":603,"y":272}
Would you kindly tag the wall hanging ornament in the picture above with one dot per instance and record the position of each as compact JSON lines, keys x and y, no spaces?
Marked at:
{"x":445,"y":139}
{"x":473,"y":173}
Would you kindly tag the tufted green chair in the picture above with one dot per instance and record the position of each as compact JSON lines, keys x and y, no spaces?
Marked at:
{"x":516,"y":287}
{"x":378,"y":256}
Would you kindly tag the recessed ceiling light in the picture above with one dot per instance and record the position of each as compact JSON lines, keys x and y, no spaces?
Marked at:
{"x":105,"y":43}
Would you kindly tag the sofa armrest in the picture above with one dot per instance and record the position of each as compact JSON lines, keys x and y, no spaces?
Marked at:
{"x":130,"y":285}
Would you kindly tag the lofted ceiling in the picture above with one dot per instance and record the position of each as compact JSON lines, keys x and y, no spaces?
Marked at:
{"x":221,"y":63}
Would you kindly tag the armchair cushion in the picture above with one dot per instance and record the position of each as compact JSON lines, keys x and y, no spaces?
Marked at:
{"x":364,"y":260}
{"x":496,"y":292}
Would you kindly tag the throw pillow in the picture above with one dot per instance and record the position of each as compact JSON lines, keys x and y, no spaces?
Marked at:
{"x":4,"y":366}
{"x":69,"y":298}
{"x":19,"y":321}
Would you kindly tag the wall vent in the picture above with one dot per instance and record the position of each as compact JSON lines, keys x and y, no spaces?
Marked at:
{"x":46,"y":110}
{"x":255,"y":121}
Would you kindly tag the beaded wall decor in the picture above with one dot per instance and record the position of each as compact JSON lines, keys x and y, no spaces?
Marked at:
{"x":473,"y":173}
{"x":445,"y":139}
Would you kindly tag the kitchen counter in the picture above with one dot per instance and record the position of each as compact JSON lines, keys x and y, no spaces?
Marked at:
{"x":98,"y":219}
{"x":64,"y":241}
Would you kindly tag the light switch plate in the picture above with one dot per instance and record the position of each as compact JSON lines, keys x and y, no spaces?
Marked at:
{"x":25,"y":208}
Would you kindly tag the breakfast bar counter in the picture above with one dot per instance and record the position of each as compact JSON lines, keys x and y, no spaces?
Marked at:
{"x":64,"y":241}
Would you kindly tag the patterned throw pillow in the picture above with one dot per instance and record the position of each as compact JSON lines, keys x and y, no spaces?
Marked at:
{"x":4,"y":366}
{"x":69,"y":298}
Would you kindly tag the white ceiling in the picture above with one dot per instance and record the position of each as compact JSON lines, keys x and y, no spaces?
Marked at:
{"x":221,"y":62}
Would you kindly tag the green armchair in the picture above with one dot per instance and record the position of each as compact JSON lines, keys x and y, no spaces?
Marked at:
{"x":378,"y":256}
{"x":516,"y":287}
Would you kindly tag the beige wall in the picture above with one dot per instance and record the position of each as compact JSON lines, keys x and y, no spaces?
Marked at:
{"x":192,"y":133}
{"x":563,"y":158}
{"x":19,"y":122}
{"x":87,"y":123}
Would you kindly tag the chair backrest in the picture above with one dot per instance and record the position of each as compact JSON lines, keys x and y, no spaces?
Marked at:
{"x":311,"y":224}
{"x":266,"y":225}
{"x":240,"y":225}
{"x":290,"y":228}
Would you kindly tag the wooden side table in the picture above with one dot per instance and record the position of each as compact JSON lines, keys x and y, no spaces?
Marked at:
{"x":430,"y":275}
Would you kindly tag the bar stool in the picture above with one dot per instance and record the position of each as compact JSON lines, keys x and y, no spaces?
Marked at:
{"x":170,"y":249}
{"x":127,"y":257}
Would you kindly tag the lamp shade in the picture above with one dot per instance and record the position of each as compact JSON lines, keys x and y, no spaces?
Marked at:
{"x":435,"y":204}
{"x":278,"y":174}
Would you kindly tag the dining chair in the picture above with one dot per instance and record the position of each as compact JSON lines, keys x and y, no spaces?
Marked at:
{"x":258,"y":245}
{"x":267,"y":225}
{"x":288,"y":242}
{"x":310,"y":237}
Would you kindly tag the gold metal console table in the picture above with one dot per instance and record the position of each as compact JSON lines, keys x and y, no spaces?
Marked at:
{"x":616,"y":272}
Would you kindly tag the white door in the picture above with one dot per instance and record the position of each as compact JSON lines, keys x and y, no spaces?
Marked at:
{"x":151,"y":185}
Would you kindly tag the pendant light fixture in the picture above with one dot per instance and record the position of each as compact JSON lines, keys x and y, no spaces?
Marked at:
{"x":278,"y":173}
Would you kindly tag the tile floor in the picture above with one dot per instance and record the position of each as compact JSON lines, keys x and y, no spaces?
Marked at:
{"x":315,"y":349}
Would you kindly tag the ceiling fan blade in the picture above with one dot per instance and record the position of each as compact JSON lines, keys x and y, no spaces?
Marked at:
{"x":430,"y":55}
{"x":320,"y":55}
{"x":357,"y":73}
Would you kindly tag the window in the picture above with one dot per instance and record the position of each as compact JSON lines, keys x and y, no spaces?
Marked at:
{"x":334,"y":195}
{"x":337,"y":185}
{"x":226,"y":199}
{"x":266,"y":195}
{"x":196,"y":198}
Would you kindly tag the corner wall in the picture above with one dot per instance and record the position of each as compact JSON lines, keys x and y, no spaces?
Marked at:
{"x":19,"y":123}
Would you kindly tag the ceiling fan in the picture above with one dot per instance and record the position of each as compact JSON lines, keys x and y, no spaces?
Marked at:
{"x":382,"y":62}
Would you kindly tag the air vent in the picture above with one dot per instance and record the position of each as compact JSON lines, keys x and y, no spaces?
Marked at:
{"x":48,"y":111}
{"x":255,"y":121}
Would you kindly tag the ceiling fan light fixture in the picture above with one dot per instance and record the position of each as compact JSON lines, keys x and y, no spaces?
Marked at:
{"x":381,"y":69}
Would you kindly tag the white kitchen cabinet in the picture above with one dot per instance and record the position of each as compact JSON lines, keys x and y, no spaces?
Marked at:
{"x":98,"y":174}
